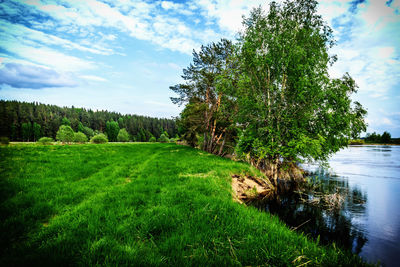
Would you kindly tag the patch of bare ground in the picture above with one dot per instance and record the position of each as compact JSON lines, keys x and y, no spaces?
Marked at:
{"x":247,"y":188}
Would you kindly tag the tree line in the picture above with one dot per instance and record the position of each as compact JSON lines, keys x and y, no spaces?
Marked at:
{"x":268,"y":98}
{"x":385,"y":138}
{"x":22,"y":121}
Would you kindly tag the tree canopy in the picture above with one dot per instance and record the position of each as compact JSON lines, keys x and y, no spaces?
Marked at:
{"x":65,"y":134}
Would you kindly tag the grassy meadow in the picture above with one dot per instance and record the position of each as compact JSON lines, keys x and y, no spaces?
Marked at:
{"x":138,"y":204}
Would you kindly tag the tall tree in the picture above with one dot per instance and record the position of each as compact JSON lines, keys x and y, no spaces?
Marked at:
{"x":37,"y":131}
{"x":26,"y":129}
{"x":289,"y":108}
{"x":200,"y":90}
{"x":65,"y":121}
{"x":112,"y":130}
{"x":386,"y":137}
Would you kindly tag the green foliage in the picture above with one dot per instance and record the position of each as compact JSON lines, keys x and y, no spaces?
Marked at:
{"x":45,"y":141}
{"x":65,"y":134}
{"x":37,"y":133}
{"x":289,"y":107}
{"x":152,"y":139}
{"x":26,"y":129}
{"x":81,"y":128}
{"x":80,"y":137}
{"x":123,"y":136}
{"x":163,"y":139}
{"x":139,"y":205}
{"x":4,"y":140}
{"x":208,"y":112}
{"x":88,"y":132}
{"x":272,"y":89}
{"x":165,"y":133}
{"x":65,"y":121}
{"x":99,"y":139}
{"x":13,"y":114}
{"x":356,"y":142}
{"x":375,"y":138}
{"x":112,"y":130}
{"x":386,"y":137}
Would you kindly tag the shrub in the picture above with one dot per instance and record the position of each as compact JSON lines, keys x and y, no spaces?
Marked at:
{"x":123,"y":136}
{"x":45,"y":141}
{"x":65,"y":134}
{"x":99,"y":139}
{"x":88,"y":132}
{"x":356,"y":142}
{"x":152,"y":139}
{"x":80,"y":137}
{"x":4,"y":140}
{"x":163,"y":138}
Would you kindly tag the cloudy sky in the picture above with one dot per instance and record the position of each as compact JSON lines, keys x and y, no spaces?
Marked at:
{"x":122,"y":55}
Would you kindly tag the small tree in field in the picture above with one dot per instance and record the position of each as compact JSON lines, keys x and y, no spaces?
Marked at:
{"x":45,"y":141}
{"x":65,"y":134}
{"x":80,"y":137}
{"x":123,"y":136}
{"x":163,"y":138}
{"x":112,"y":130}
{"x":152,"y":139}
{"x":99,"y":139}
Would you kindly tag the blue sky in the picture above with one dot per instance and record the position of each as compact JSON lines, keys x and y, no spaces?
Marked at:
{"x":123,"y":55}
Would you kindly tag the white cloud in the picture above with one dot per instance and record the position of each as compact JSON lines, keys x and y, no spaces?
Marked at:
{"x":228,"y":14}
{"x":386,"y":121}
{"x":31,"y":76}
{"x":170,"y":5}
{"x":368,"y":49}
{"x":22,"y":34}
{"x":93,"y":78}
{"x":385,"y":52}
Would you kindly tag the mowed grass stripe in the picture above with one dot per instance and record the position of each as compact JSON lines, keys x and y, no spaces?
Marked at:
{"x":138,"y":204}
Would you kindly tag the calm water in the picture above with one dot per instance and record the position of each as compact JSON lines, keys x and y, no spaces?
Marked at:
{"x":367,"y":178}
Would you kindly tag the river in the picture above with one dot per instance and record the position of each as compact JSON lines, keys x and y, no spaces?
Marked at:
{"x":367,"y":219}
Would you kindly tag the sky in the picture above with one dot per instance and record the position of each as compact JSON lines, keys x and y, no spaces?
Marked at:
{"x":122,"y":55}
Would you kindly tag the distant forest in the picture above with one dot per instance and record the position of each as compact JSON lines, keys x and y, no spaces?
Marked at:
{"x":22,"y":121}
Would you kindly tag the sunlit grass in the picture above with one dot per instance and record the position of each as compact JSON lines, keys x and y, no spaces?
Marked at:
{"x":137,"y":204}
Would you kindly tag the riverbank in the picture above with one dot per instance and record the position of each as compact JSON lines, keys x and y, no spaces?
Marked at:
{"x":139,"y":204}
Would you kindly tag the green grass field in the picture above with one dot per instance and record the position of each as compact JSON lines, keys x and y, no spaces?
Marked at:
{"x":138,"y":204}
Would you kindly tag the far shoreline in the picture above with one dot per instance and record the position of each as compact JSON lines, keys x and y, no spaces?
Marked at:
{"x":376,"y":144}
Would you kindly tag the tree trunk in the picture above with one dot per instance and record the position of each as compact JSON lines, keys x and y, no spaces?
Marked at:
{"x":222,"y":146}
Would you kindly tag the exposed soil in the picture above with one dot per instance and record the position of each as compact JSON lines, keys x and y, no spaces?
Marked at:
{"x":247,"y":188}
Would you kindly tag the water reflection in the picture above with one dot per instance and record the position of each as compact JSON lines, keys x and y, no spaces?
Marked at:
{"x":328,"y":211}
{"x":368,"y":222}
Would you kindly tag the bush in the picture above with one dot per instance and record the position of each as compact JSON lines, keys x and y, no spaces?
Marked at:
{"x":163,"y":139}
{"x":80,"y":137}
{"x":45,"y":141}
{"x":123,"y":136}
{"x":65,"y":134}
{"x":152,"y":139}
{"x":4,"y":140}
{"x":88,"y":132}
{"x":99,"y":139}
{"x":356,"y":142}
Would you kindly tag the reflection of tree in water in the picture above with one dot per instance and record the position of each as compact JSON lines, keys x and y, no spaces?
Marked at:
{"x":331,"y":225}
